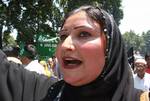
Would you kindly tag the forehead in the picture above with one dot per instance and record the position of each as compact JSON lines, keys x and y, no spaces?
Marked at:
{"x":80,"y":19}
{"x":140,"y":61}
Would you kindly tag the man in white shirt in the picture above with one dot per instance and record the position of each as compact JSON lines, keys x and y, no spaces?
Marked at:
{"x":28,"y":59}
{"x":141,"y":78}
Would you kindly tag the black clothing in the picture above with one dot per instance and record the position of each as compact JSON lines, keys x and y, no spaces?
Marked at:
{"x":18,"y":84}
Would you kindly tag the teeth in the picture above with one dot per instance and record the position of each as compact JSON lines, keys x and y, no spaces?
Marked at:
{"x":72,"y":62}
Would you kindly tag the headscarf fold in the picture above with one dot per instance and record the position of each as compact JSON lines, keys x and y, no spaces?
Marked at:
{"x":117,"y":71}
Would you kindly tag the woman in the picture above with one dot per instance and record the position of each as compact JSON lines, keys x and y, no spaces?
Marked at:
{"x":93,"y":62}
{"x":93,"y":59}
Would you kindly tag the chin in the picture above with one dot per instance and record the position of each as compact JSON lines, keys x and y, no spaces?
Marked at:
{"x":75,"y":81}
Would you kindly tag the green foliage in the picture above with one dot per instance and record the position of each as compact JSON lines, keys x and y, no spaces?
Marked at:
{"x":146,"y":38}
{"x":138,"y":42}
{"x":45,"y":16}
{"x":8,"y":40}
{"x":112,"y":6}
{"x":30,"y":17}
{"x":130,"y":39}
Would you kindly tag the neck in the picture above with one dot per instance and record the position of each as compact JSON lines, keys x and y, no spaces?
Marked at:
{"x":27,"y":61}
{"x":141,"y":76}
{"x":97,"y":89}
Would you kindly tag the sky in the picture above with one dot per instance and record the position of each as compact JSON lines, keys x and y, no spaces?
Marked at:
{"x":136,"y":16}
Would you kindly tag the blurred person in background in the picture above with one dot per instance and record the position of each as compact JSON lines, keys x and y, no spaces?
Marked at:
{"x":13,"y":54}
{"x":141,"y":78}
{"x":56,"y":68}
{"x":147,"y":58}
{"x":28,"y":59}
{"x":48,"y":72}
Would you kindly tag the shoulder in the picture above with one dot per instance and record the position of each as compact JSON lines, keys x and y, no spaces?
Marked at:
{"x":135,"y":77}
{"x":35,"y":66}
{"x":147,"y":76}
{"x":2,"y":56}
{"x":53,"y":91}
{"x":14,"y":59}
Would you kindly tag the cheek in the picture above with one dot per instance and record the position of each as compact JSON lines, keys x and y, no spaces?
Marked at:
{"x":93,"y":55}
{"x":94,"y":49}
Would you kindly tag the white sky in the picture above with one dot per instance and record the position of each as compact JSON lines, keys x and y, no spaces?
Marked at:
{"x":136,"y":16}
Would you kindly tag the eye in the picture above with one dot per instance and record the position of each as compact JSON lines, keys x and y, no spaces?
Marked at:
{"x":63,"y":37}
{"x":84,"y":34}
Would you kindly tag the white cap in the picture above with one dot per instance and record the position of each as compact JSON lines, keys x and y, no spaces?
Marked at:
{"x":140,"y":61}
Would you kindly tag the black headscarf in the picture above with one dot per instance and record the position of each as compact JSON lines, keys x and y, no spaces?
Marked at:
{"x":117,"y":72}
{"x":115,"y":83}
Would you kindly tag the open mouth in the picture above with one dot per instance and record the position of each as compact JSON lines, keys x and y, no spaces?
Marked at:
{"x":71,"y":63}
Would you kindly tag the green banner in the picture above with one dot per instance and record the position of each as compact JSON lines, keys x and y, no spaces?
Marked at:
{"x":46,"y":46}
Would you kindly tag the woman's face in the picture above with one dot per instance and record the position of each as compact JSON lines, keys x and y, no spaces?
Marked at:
{"x":81,"y":50}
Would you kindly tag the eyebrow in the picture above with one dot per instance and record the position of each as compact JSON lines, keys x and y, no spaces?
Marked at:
{"x":63,"y":30}
{"x":90,"y":27}
{"x":82,"y":27}
{"x":76,"y":27}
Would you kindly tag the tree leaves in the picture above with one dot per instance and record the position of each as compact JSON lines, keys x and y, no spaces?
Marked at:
{"x":45,"y":16}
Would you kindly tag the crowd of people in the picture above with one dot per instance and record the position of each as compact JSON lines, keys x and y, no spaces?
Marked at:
{"x":27,"y":58}
{"x":91,"y":64}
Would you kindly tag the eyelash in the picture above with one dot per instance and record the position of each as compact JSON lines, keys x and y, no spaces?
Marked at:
{"x":84,"y":34}
{"x":63,"y":37}
{"x":81,"y":35}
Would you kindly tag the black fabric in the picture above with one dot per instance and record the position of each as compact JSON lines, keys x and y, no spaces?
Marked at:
{"x":117,"y":72}
{"x":18,"y":84}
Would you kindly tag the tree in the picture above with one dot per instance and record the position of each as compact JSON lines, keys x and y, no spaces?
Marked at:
{"x":146,"y":38}
{"x":133,"y":40}
{"x":45,"y":15}
{"x":8,"y":40}
{"x":33,"y":17}
{"x":30,"y":17}
{"x":111,"y":6}
{"x":2,"y":20}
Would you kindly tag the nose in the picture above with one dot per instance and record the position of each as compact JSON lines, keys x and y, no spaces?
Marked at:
{"x":68,"y":44}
